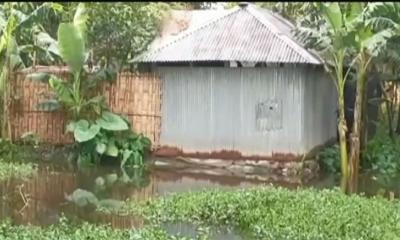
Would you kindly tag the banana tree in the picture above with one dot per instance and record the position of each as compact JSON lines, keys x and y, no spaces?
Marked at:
{"x":97,"y":131}
{"x":368,"y":44}
{"x":384,"y":18}
{"x":347,"y":38}
{"x":333,"y":41}
{"x":75,"y":94}
{"x":10,"y":58}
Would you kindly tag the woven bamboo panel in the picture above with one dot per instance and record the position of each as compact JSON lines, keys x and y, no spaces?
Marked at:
{"x":137,"y":96}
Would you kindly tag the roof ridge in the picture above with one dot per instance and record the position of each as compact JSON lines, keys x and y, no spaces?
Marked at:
{"x":187,"y":33}
{"x":283,"y":37}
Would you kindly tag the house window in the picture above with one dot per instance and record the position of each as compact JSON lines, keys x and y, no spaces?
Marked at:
{"x":269,"y":115}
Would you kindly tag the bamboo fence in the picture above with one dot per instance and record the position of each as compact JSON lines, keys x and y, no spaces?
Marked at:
{"x":134,"y":95}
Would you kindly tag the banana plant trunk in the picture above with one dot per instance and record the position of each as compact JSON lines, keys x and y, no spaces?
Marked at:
{"x":355,"y":139}
{"x":342,"y":129}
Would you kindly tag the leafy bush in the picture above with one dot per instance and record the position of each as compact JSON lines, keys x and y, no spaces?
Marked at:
{"x":109,"y":136}
{"x":278,"y":213}
{"x":329,"y":159}
{"x":383,"y":155}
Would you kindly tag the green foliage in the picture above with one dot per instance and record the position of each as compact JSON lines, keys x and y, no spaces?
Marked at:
{"x":329,"y":159}
{"x":120,"y":31}
{"x":72,"y":46}
{"x":68,"y":230}
{"x":10,"y":152}
{"x":129,"y":148}
{"x":98,"y":131}
{"x":110,"y":135}
{"x":30,"y":138}
{"x":76,"y":94}
{"x":82,"y":131}
{"x":11,"y":164}
{"x":382,"y":155}
{"x":278,"y":213}
{"x":112,"y":122}
{"x":16,"y":170}
{"x":29,"y":30}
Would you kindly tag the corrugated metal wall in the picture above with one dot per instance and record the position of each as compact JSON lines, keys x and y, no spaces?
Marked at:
{"x":214,"y":108}
{"x":320,"y":117}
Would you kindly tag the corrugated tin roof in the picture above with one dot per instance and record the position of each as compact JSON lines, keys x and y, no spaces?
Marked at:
{"x":241,"y":34}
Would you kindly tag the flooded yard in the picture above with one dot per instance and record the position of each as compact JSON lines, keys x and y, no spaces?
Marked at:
{"x":42,"y":200}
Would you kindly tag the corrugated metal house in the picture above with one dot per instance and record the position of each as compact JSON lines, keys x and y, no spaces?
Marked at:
{"x":237,"y":84}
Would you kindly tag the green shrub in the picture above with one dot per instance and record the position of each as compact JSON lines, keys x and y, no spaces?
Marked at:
{"x":329,"y":159}
{"x":109,"y":136}
{"x":382,"y":155}
{"x":277,"y":213}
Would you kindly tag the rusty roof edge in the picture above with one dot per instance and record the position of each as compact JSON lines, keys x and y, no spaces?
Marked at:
{"x":183,"y":35}
{"x":290,"y":42}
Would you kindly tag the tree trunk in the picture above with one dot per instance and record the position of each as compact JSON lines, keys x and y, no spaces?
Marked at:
{"x":342,"y":128}
{"x":356,"y":134}
{"x":388,"y":113}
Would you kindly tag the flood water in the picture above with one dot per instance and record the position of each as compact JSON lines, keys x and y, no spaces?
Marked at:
{"x":42,"y":200}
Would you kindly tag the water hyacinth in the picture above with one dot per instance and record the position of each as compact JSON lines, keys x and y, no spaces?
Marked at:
{"x":278,"y":213}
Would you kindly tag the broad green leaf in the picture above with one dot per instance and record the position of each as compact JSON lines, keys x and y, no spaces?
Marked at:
{"x":16,"y":62}
{"x":137,"y":158}
{"x":83,"y":132}
{"x":112,"y":122}
{"x":42,"y":77}
{"x":101,"y":148}
{"x":80,"y":19}
{"x":112,"y":150}
{"x":63,"y":93}
{"x":47,"y":43}
{"x":125,"y":156}
{"x":71,"y":45}
{"x":333,"y":15}
{"x":356,"y":9}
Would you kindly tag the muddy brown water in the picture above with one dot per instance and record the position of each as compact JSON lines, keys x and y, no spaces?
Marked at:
{"x":41,"y":200}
